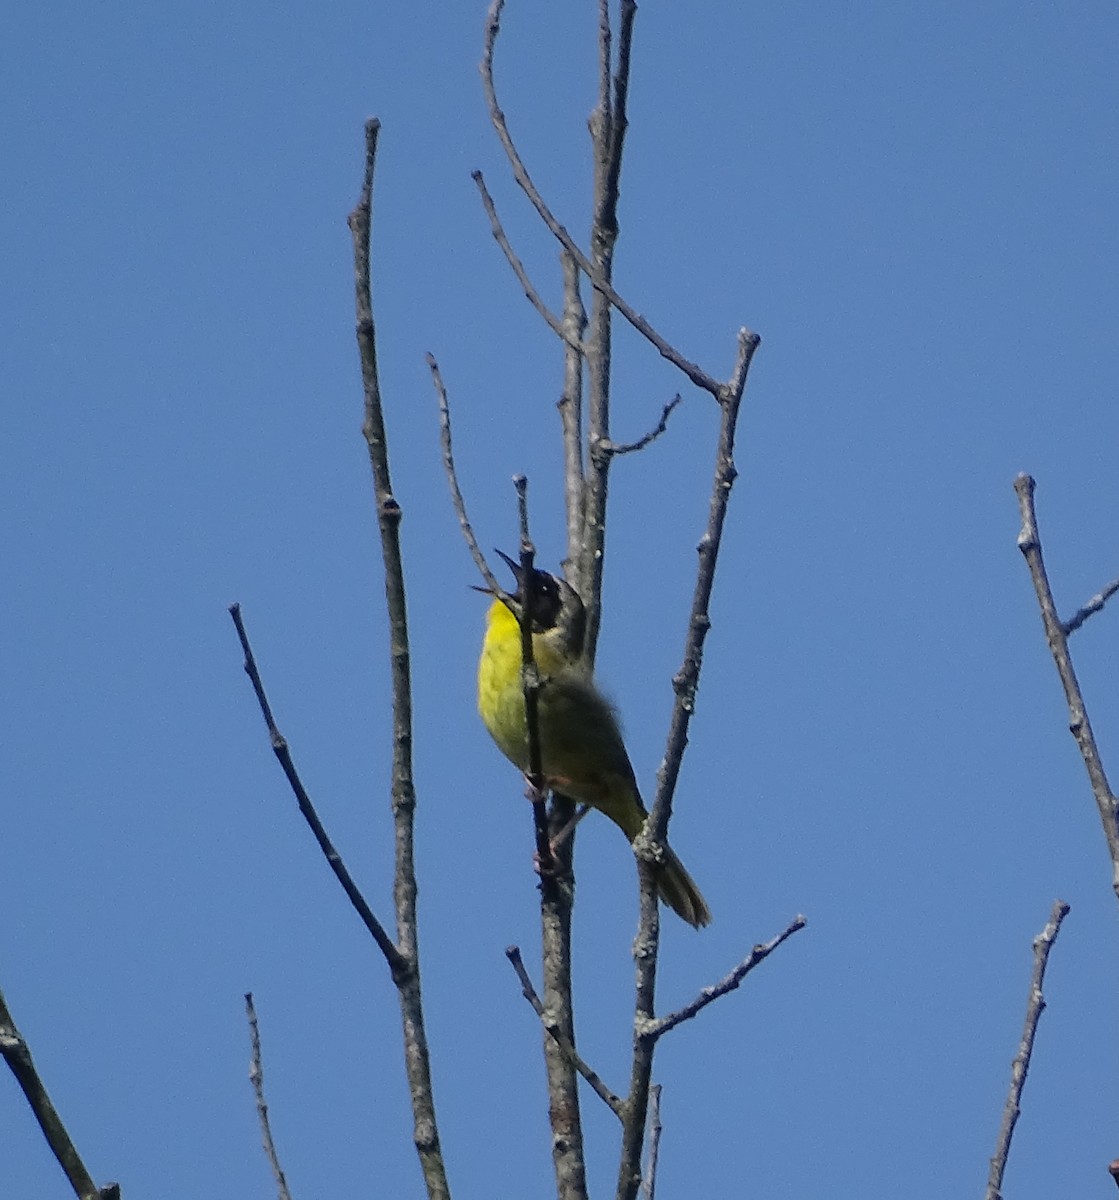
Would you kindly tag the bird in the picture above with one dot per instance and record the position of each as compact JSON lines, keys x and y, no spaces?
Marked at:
{"x":582,"y":751}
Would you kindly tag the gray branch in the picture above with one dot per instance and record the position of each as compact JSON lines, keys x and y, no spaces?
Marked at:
{"x":1020,"y":1068}
{"x":1056,"y":634}
{"x":256,"y":1078}
{"x":17,"y":1054}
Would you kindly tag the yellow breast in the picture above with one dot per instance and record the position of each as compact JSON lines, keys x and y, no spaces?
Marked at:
{"x":500,"y":689}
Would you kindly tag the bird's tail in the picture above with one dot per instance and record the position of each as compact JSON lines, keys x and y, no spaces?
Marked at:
{"x":678,"y":890}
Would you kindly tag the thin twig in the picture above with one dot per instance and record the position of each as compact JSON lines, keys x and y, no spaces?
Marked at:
{"x":256,"y":1078}
{"x":527,"y":286}
{"x":17,"y":1054}
{"x":613,"y":448}
{"x":571,"y":420}
{"x":451,"y":472}
{"x":417,"y":1059}
{"x":613,"y":1102}
{"x":686,"y":681}
{"x":619,"y":120}
{"x":1019,"y":1069}
{"x":396,"y":961}
{"x":568,"y":1158}
{"x":1091,"y":608}
{"x":649,"y":1183}
{"x":710,"y":994}
{"x":1029,"y":542}
{"x":520,"y":173}
{"x":648,"y":843}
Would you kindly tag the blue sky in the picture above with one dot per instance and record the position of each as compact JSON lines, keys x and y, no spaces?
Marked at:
{"x":914,"y":206}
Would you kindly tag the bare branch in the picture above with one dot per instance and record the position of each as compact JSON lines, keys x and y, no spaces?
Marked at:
{"x":1091,"y":608}
{"x":1043,"y":943}
{"x":613,"y":1102}
{"x":710,"y":994}
{"x":1029,"y":542}
{"x":568,"y":1159}
{"x":649,"y":1183}
{"x":256,"y":1078}
{"x":520,"y":173}
{"x":417,"y":1061}
{"x":452,"y":478}
{"x":619,"y":121}
{"x":527,"y":286}
{"x":686,"y":680}
{"x":613,"y":448}
{"x":17,"y":1054}
{"x":647,"y":845}
{"x":398,"y":964}
{"x":571,"y":419}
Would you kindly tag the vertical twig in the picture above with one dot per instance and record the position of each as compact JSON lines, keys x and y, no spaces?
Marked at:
{"x":649,"y":1183}
{"x":1035,"y":1006}
{"x":571,"y":419}
{"x":524,"y":180}
{"x":1029,"y":542}
{"x":530,"y":677}
{"x":256,"y":1078}
{"x":608,"y":127}
{"x":555,"y":910}
{"x":685,"y":683}
{"x":17,"y":1054}
{"x":416,"y":1057}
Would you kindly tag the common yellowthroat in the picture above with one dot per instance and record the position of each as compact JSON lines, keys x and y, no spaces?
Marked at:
{"x":581,"y":744}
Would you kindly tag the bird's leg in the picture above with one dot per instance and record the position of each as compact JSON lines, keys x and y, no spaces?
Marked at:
{"x":543,"y":859}
{"x":569,"y":828}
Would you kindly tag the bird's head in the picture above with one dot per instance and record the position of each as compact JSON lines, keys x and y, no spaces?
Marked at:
{"x":556,"y":607}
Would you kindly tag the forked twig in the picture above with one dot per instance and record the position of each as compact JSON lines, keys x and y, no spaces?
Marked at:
{"x":613,"y":1102}
{"x":256,"y":1078}
{"x":648,"y":843}
{"x":1035,"y":1006}
{"x":1029,"y":542}
{"x":520,"y":173}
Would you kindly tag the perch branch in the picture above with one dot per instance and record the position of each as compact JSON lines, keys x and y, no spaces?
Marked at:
{"x":614,"y":1103}
{"x":1029,"y":542}
{"x":17,"y":1054}
{"x":1043,"y":943}
{"x":256,"y":1078}
{"x":530,"y":676}
{"x":555,"y":907}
